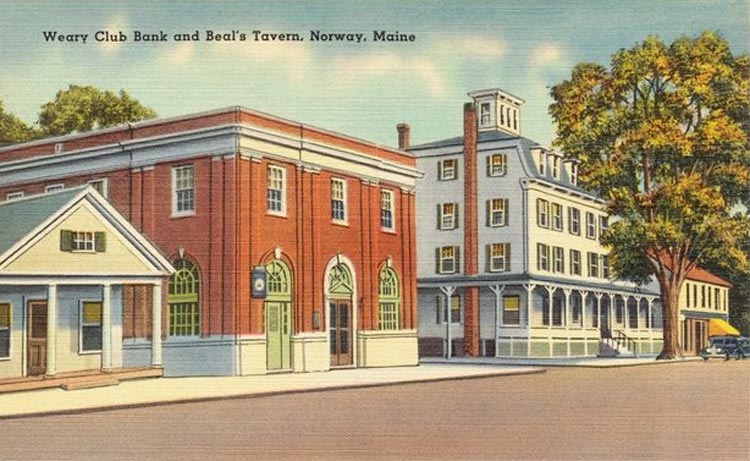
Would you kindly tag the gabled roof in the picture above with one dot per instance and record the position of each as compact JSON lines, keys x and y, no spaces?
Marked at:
{"x":21,"y":216}
{"x":23,"y":219}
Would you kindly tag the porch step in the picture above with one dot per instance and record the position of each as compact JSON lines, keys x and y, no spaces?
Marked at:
{"x":89,"y":384}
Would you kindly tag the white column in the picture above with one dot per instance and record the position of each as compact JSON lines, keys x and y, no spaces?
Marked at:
{"x":448,"y":292}
{"x":498,"y":291}
{"x":584,"y":294}
{"x":156,"y":360}
{"x":51,"y":366}
{"x":106,"y":327}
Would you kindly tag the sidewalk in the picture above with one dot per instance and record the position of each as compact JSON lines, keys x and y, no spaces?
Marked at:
{"x":159,"y":391}
{"x":590,"y":362}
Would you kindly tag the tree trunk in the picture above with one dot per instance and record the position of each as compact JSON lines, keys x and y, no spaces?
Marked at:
{"x":671,"y":324}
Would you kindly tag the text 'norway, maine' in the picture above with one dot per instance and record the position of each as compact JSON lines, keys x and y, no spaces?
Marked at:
{"x":137,"y":36}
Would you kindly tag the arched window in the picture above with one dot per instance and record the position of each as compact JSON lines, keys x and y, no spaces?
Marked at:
{"x":183,"y":300}
{"x":279,"y":279}
{"x":389,"y":299}
{"x":340,"y":281}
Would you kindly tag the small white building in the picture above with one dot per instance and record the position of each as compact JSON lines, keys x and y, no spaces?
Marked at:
{"x":65,"y":257}
{"x":509,"y":259}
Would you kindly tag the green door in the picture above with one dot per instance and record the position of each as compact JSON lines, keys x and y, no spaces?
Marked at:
{"x":278,"y":323}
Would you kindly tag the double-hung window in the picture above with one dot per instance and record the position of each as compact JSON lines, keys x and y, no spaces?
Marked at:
{"x":593,"y":260}
{"x":542,"y":213}
{"x":558,"y":260}
{"x":338,"y":200}
{"x":542,"y":257}
{"x":590,"y":225}
{"x":555,"y":167}
{"x":574,"y":221}
{"x":484,"y":114}
{"x":452,"y":309}
{"x":499,"y":257}
{"x":91,"y":326}
{"x":447,"y":169}
{"x":575,"y":262}
{"x":603,"y":224}
{"x":386,"y":210}
{"x":276,"y":194}
{"x":5,"y":315}
{"x":183,"y":190}
{"x":557,"y":217}
{"x":497,"y":212}
{"x":83,"y":241}
{"x":497,"y":165}
{"x":605,"y":266}
{"x":447,"y":260}
{"x":542,"y":163}
{"x":447,"y":216}
{"x":511,"y":309}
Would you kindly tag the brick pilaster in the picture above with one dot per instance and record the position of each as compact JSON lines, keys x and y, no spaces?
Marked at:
{"x":471,"y":238}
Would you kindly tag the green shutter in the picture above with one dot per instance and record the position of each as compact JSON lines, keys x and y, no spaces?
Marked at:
{"x":437,"y":260}
{"x":440,"y":170}
{"x":100,"y":242}
{"x":66,"y":240}
{"x":455,"y":216}
{"x":439,"y":215}
{"x":438,"y":307}
{"x":489,"y":165}
{"x":457,"y":265}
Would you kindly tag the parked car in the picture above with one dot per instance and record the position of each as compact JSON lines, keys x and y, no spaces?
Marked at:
{"x":727,"y":347}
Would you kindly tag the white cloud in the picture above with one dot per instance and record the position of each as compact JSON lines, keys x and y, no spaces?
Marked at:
{"x":113,"y":28}
{"x":180,"y":53}
{"x":547,"y":54}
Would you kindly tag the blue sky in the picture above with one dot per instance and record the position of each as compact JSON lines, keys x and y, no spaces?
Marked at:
{"x":362,"y":90}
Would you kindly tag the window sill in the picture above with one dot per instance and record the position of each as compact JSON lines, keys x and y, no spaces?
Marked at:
{"x":98,"y":352}
{"x":340,"y":223}
{"x":387,"y":230}
{"x":182,"y":215}
{"x":5,"y":359}
{"x":277,"y":214}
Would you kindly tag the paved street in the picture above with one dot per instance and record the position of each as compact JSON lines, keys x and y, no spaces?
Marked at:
{"x":683,"y":411}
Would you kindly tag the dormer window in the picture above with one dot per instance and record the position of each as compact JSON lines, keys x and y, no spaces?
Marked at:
{"x":484,"y":114}
{"x":555,"y":167}
{"x":573,"y":173}
{"x":542,"y":163}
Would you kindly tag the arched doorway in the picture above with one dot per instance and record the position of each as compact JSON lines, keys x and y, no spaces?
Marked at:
{"x":340,"y":297}
{"x":278,"y":311}
{"x":183,"y":300}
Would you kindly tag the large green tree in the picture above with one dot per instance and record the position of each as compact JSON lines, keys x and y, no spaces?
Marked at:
{"x":83,"y":108}
{"x":662,"y":134}
{"x":13,"y":129}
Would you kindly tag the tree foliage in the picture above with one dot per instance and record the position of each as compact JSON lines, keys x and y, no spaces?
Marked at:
{"x":662,"y":134}
{"x":83,"y":108}
{"x":13,"y":129}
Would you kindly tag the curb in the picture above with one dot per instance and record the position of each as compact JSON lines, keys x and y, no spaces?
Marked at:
{"x":252,"y":395}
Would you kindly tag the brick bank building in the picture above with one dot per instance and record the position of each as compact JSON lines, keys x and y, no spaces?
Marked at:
{"x":329,"y":217}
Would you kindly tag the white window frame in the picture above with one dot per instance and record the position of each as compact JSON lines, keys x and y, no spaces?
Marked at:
{"x":574,"y":221}
{"x":574,"y":173}
{"x":558,"y":260}
{"x":604,"y":265}
{"x":83,"y":242}
{"x":9,"y":329}
{"x":556,"y":167}
{"x":499,"y":262}
{"x":603,"y":224}
{"x":104,"y":186}
{"x":453,"y":216}
{"x":542,"y":257}
{"x":81,"y":325}
{"x":500,"y":212}
{"x":444,"y":172}
{"x":14,"y":195}
{"x":502,"y":165}
{"x":542,"y":213}
{"x":542,"y":163}
{"x":54,"y":188}
{"x":485,"y":114}
{"x":387,"y":205}
{"x":276,"y":181}
{"x":176,"y":192}
{"x":575,"y":262}
{"x":341,"y":198}
{"x":590,"y":225}
{"x":593,"y":264}
{"x":444,"y":259}
{"x":556,"y":212}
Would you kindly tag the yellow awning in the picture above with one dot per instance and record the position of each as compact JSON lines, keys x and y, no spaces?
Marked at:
{"x":721,"y":327}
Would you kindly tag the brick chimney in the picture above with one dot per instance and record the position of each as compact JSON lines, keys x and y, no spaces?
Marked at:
{"x":471,"y":238}
{"x":404,"y":132}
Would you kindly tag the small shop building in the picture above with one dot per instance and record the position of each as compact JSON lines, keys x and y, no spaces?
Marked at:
{"x":65,"y":259}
